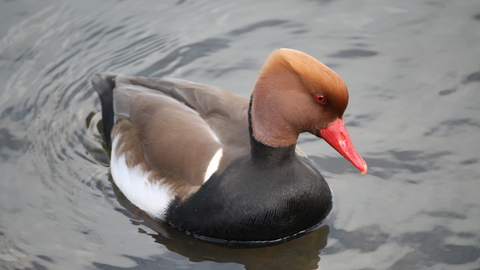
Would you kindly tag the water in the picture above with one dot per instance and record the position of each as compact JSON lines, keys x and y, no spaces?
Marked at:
{"x":413,"y":71}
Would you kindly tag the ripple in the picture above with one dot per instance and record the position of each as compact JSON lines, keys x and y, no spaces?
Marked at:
{"x":56,"y":187}
{"x":353,"y":53}
{"x":430,"y":247}
{"x":255,"y":26}
{"x":473,"y":77}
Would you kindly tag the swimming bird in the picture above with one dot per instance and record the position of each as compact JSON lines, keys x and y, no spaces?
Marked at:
{"x":222,"y":167}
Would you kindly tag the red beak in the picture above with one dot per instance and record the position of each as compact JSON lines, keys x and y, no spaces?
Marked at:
{"x":337,"y":136}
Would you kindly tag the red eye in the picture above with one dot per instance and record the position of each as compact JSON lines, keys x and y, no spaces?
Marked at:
{"x":320,"y":98}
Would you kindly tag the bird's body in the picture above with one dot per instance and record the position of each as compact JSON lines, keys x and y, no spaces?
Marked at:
{"x":221,"y":167}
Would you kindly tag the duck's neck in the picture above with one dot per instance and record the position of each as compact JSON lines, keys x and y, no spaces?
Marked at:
{"x":274,"y":107}
{"x":269,"y":156}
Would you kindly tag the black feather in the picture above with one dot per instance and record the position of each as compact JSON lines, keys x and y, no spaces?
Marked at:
{"x":104,"y":83}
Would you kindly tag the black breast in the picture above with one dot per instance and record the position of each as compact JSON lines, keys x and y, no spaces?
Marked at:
{"x":249,"y":202}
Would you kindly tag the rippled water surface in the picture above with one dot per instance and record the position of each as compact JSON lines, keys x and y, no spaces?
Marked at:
{"x":413,"y":70}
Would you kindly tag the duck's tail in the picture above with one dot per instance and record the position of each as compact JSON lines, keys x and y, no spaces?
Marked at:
{"x":104,"y":83}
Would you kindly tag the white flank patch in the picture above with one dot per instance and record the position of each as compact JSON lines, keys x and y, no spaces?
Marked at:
{"x":153,"y":198}
{"x":213,"y":165}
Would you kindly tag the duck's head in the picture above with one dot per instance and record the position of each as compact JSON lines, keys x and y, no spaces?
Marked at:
{"x":296,"y":93}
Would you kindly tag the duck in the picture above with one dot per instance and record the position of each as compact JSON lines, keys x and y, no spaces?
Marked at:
{"x":222,"y":167}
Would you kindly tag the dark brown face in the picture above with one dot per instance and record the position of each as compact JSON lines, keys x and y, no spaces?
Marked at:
{"x":330,"y":103}
{"x":307,"y":112}
{"x":318,"y":95}
{"x":295,"y":93}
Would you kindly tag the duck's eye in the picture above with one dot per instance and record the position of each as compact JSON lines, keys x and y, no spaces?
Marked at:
{"x":320,"y":98}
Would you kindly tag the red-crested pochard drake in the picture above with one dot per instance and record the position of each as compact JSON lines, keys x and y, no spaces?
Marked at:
{"x":219,"y":166}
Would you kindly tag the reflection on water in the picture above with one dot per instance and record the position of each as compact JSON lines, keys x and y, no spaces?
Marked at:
{"x":301,"y":253}
{"x":414,"y":114}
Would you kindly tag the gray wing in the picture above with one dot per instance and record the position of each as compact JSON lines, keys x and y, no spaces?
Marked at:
{"x":182,"y":125}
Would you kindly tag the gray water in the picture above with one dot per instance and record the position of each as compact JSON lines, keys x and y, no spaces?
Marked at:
{"x":413,"y":71}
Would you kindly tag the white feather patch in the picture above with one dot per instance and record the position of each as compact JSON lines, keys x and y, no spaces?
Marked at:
{"x":153,"y":198}
{"x":213,"y":165}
